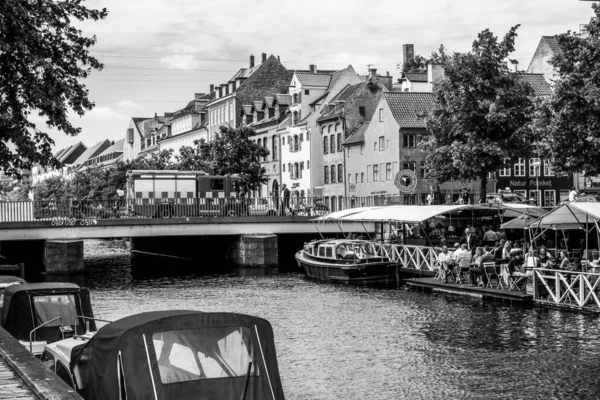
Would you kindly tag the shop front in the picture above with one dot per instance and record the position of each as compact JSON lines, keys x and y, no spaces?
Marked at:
{"x":546,"y":191}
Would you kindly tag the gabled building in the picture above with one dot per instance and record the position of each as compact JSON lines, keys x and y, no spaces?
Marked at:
{"x":106,"y":159}
{"x":152,"y":130}
{"x":134,"y":138}
{"x":413,"y":82}
{"x":540,"y":62}
{"x":185,"y":126}
{"x":229,"y":102}
{"x":89,"y":153}
{"x":340,"y":117}
{"x":67,"y":158}
{"x":301,"y":156}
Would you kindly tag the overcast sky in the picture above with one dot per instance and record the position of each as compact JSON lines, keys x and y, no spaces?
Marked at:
{"x":158,"y":53}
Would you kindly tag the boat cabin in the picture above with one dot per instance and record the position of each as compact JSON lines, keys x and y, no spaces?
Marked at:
{"x":182,"y":355}
{"x":346,"y":249}
{"x":40,"y":313}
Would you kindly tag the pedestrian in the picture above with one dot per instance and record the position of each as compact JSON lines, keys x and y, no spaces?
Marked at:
{"x":465,"y":196}
{"x":469,"y":240}
{"x":285,"y":199}
{"x":572,"y":194}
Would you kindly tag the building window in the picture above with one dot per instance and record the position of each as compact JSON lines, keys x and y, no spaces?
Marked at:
{"x":340,"y":173}
{"x":295,"y":98}
{"x":381,"y":115}
{"x":410,"y":141}
{"x":329,"y":129}
{"x":333,"y":174}
{"x":534,"y":170}
{"x":374,"y":146}
{"x":325,"y":174}
{"x":356,"y":178}
{"x":130,"y":135}
{"x":362,"y":177}
{"x":325,"y":144}
{"x":506,"y":170}
{"x":362,"y":112}
{"x":412,"y":165}
{"x":332,"y":144}
{"x":306,"y":91}
{"x":563,"y":195}
{"x":296,"y":143}
{"x":549,"y":198}
{"x":536,"y":195}
{"x":337,"y":127}
{"x":522,"y":192}
{"x":375,"y":172}
{"x":520,"y":167}
{"x":388,"y":171}
{"x":339,"y":142}
{"x":283,"y":168}
{"x":548,"y":169}
{"x":274,"y":147}
{"x":296,"y":171}
{"x":381,"y":143}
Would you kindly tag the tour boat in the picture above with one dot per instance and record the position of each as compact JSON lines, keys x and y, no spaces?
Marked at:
{"x":347,"y":261}
{"x":163,"y":355}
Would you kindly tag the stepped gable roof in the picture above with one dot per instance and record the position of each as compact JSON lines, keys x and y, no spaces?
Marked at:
{"x":416,"y":76}
{"x":537,"y":81}
{"x":552,"y":43}
{"x":358,"y":136}
{"x":267,"y":78}
{"x":93,"y":151}
{"x":410,"y":108}
{"x":313,"y":79}
{"x":284,"y":99}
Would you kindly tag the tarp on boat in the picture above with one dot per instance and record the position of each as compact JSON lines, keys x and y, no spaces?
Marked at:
{"x":415,"y":214}
{"x":568,"y":216}
{"x":179,"y":355}
{"x":29,"y":305}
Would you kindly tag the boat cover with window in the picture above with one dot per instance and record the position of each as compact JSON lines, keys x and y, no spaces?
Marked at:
{"x":29,"y":305}
{"x":179,"y":355}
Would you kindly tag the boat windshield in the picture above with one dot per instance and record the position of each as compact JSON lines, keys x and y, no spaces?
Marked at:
{"x":49,"y":307}
{"x":193,"y":354}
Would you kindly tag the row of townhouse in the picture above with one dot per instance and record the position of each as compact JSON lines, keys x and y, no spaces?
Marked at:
{"x":339,"y":135}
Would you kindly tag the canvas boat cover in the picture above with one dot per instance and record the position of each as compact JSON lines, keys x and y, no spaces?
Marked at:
{"x":415,"y":214}
{"x":29,"y":305}
{"x":183,"y":355}
{"x":568,"y":216}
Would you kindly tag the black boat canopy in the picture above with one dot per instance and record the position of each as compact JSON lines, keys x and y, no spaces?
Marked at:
{"x":179,"y":355}
{"x":29,"y":305}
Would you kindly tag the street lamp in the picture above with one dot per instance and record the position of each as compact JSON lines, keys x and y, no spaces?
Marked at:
{"x":537,"y":164}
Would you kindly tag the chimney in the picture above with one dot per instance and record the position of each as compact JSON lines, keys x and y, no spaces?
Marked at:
{"x":278,"y":59}
{"x":220,"y":89}
{"x":251,"y":60}
{"x":226,"y":87}
{"x":264,"y":57}
{"x":212,"y":88}
{"x":312,"y":68}
{"x":155,"y":118}
{"x":435,"y":73}
{"x":408,"y":52}
{"x":233,"y":86}
{"x":373,"y":73}
{"x":387,"y":73}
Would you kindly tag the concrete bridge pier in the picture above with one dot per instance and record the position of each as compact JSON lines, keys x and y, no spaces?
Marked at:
{"x":63,"y":256}
{"x":254,"y":251}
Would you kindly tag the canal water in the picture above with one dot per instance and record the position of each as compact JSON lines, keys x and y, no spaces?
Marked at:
{"x":340,"y":342}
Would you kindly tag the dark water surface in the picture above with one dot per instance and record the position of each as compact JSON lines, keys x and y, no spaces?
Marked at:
{"x":339,"y":342}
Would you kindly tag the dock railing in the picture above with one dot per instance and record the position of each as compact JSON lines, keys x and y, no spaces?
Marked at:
{"x":567,"y":288}
{"x":421,"y":258}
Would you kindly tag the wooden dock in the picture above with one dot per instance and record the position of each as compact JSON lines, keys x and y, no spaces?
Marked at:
{"x":502,"y":295}
{"x":22,"y":376}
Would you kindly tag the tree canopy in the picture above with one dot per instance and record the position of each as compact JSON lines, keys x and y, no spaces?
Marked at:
{"x":230,"y":152}
{"x":43,"y":57}
{"x":482,"y":112}
{"x":568,"y":123}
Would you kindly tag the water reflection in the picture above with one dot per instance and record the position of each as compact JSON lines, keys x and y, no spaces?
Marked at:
{"x":340,"y":342}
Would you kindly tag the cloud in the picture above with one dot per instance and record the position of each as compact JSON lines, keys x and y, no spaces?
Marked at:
{"x":129,"y":104}
{"x":100,"y":112}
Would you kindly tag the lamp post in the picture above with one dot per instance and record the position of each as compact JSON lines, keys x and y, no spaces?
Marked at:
{"x":537,"y":164}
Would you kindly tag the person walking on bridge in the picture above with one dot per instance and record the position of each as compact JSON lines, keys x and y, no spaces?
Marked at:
{"x":285,"y":200}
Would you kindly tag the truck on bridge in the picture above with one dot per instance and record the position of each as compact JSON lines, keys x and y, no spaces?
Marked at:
{"x":167,"y":193}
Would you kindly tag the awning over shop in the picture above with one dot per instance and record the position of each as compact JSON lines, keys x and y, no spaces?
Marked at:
{"x":415,"y":214}
{"x":568,"y":216}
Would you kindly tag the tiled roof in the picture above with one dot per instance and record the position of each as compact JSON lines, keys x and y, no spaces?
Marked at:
{"x":358,"y":136}
{"x":415,"y":77}
{"x":342,"y":96}
{"x":92,"y":151}
{"x":311,"y":79}
{"x":116,"y":147}
{"x":537,"y":82}
{"x":410,"y":108}
{"x":267,"y":78}
{"x":552,"y":43}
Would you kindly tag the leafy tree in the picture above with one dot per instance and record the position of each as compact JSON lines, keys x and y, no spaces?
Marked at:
{"x":230,"y":152}
{"x":481,"y":115}
{"x":417,"y":64}
{"x":160,"y":160}
{"x":42,"y":59}
{"x":54,"y":187}
{"x":11,"y":191}
{"x":567,"y":123}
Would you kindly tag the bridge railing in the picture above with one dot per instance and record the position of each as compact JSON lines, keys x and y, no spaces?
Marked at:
{"x":65,"y":210}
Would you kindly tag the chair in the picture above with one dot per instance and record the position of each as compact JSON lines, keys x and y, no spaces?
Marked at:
{"x":515,"y":280}
{"x":462,"y":275}
{"x":489,"y":268}
{"x":439,"y":271}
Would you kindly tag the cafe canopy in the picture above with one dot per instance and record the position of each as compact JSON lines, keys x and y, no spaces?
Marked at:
{"x":569,"y":216}
{"x":415,"y":214}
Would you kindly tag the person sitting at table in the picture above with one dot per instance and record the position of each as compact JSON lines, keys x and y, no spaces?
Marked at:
{"x":478,"y":269}
{"x":506,"y":251}
{"x":446,"y":262}
{"x":498,"y":251}
{"x":563,"y":261}
{"x":545,"y":257}
{"x":514,"y":266}
{"x":532,"y":261}
{"x":463,"y":259}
